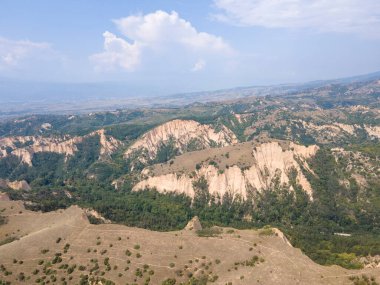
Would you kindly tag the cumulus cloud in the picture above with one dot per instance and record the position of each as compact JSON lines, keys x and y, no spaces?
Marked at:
{"x":12,"y":52}
{"x":347,"y":16}
{"x":159,"y":33}
{"x":117,"y":52}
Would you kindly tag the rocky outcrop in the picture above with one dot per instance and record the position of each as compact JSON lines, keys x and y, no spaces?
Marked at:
{"x":350,"y":129}
{"x":96,"y":215}
{"x":46,"y":126}
{"x":281,"y":235}
{"x":194,"y":225}
{"x":373,"y":131}
{"x":332,"y":130}
{"x":15,"y":185}
{"x":270,"y":161}
{"x":358,"y":164}
{"x":337,"y":130}
{"x":183,"y":132}
{"x":25,"y":147}
{"x":108,"y":144}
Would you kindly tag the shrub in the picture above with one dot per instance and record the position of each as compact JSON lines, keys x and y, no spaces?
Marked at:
{"x":8,"y":240}
{"x":71,"y":269}
{"x":170,"y":281}
{"x":139,"y":272}
{"x":209,"y":232}
{"x":66,"y":248}
{"x":266,"y":231}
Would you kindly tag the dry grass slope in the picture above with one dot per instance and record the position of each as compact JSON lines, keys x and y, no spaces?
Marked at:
{"x":62,"y":244}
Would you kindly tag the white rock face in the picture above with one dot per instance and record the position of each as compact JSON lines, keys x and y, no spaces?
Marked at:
{"x":15,"y":185}
{"x":373,"y":131}
{"x":168,"y":183}
{"x":108,"y":144}
{"x":65,"y":145}
{"x":183,"y":131}
{"x":36,"y":144}
{"x":194,"y":224}
{"x":333,"y":130}
{"x":269,"y":159}
{"x":46,"y":126}
{"x":347,"y":128}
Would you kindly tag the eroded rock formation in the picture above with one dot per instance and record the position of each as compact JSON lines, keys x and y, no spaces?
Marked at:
{"x":269,"y":161}
{"x":15,"y":185}
{"x":25,"y":146}
{"x":183,"y":132}
{"x":194,"y":224}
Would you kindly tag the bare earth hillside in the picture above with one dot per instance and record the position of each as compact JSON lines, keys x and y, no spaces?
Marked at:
{"x":62,"y":244}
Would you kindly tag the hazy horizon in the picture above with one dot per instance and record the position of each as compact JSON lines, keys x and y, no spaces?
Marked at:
{"x":170,"y":47}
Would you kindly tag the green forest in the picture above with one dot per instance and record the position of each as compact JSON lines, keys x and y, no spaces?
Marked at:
{"x":309,"y":225}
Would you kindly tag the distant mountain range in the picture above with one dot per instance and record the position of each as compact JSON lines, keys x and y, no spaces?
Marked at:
{"x":27,"y":97}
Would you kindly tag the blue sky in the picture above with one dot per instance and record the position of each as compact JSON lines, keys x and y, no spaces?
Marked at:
{"x":179,"y":46}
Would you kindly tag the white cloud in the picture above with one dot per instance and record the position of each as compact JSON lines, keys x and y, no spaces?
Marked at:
{"x":347,"y":16}
{"x":117,"y":52}
{"x":156,"y":34}
{"x":12,"y":53}
{"x":199,"y":65}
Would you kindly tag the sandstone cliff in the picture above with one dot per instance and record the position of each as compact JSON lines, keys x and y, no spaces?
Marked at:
{"x":25,"y":146}
{"x":183,"y":132}
{"x":269,"y":160}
